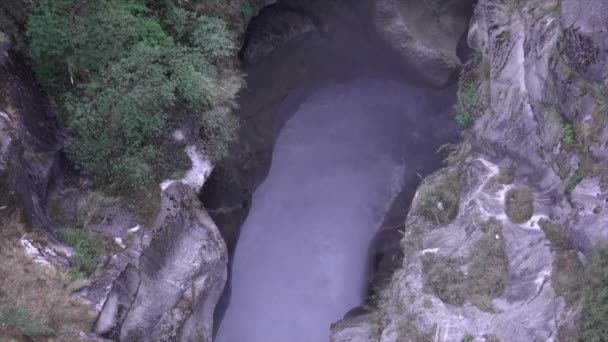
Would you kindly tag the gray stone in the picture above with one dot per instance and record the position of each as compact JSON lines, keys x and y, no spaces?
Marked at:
{"x":181,"y":274}
{"x":425,"y":34}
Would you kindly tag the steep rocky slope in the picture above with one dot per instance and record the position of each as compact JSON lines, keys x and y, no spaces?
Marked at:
{"x":493,"y":244}
{"x":499,"y":261}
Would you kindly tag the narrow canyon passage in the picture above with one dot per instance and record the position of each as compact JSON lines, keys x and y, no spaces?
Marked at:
{"x":338,"y":162}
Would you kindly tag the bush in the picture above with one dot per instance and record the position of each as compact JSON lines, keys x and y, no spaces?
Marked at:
{"x":88,"y":248}
{"x":124,"y":81}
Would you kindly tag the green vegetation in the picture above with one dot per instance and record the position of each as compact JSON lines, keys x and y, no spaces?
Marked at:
{"x":491,"y":338}
{"x":469,"y":103}
{"x":568,"y":133}
{"x":519,"y":204}
{"x":600,"y":94}
{"x":124,"y":78}
{"x":35,"y":299}
{"x":573,"y":181}
{"x":18,"y":318}
{"x":468,"y":338}
{"x":555,"y":234}
{"x":88,"y":248}
{"x":567,"y":276}
{"x":595,"y":303}
{"x":437,"y":200}
{"x":246,"y":8}
{"x":487,"y":275}
{"x":3,"y":38}
{"x":505,"y":176}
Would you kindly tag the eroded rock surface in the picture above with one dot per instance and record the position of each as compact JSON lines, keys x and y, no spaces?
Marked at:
{"x":534,"y":90}
{"x":425,"y":34}
{"x":180,"y":276}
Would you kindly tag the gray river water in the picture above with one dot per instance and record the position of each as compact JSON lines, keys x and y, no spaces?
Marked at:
{"x":338,"y":163}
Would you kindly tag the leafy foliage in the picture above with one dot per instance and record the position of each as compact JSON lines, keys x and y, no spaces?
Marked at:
{"x":568,"y":133}
{"x":469,"y":102}
{"x":125,"y":79}
{"x":88,"y":249}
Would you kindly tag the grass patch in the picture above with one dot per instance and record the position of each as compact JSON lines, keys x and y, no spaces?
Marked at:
{"x":443,"y":277}
{"x":487,"y":276}
{"x":438,"y":199}
{"x":409,"y":331}
{"x":567,"y":276}
{"x":506,"y":175}
{"x":555,"y":234}
{"x":35,"y":299}
{"x":88,"y":248}
{"x":519,"y":204}
{"x":18,"y":318}
{"x":573,"y":181}
{"x":595,"y":303}
{"x":89,"y":205}
{"x":488,"y":271}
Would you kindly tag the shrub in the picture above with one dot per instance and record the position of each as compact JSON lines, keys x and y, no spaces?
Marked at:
{"x":88,"y":248}
{"x":246,"y":8}
{"x":519,"y":204}
{"x":469,"y":103}
{"x":124,"y":81}
{"x":568,"y":133}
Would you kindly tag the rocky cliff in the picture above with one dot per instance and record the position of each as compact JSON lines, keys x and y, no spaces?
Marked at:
{"x":494,"y":241}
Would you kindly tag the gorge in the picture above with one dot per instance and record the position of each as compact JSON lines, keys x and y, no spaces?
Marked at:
{"x":303,"y":170}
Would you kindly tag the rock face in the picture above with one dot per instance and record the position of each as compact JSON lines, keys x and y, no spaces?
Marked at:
{"x":31,"y":138}
{"x":525,"y":190}
{"x":172,"y":293}
{"x":425,"y":34}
